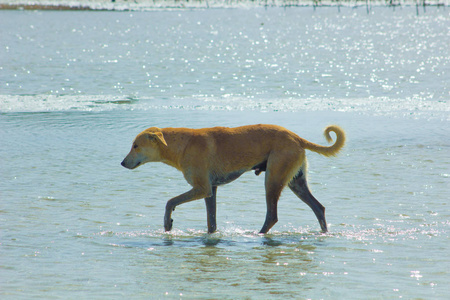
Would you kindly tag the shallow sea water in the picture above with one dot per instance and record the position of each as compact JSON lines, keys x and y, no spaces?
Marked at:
{"x":76,"y":87}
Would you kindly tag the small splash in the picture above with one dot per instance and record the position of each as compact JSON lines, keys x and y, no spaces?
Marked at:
{"x":416,"y":275}
{"x":387,"y":233}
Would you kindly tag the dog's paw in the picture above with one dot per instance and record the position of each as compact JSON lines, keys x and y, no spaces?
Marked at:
{"x":168,"y":222}
{"x":168,"y":228}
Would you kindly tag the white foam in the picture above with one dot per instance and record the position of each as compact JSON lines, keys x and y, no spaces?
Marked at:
{"x":383,"y":106}
{"x":49,"y":103}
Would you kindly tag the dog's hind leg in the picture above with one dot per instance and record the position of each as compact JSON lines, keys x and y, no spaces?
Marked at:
{"x":277,"y":172}
{"x":211,"y":210}
{"x":273,"y":192}
{"x":300,"y":188}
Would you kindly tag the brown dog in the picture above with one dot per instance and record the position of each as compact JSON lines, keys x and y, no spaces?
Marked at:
{"x":210,"y":157}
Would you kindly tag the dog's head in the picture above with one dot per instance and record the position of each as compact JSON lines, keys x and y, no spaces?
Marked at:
{"x":147,"y":147}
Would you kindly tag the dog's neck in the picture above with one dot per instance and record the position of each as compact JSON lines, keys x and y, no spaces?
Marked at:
{"x":176,"y":144}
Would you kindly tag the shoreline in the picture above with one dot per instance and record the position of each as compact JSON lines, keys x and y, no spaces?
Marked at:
{"x":44,"y":7}
{"x":123,"y":5}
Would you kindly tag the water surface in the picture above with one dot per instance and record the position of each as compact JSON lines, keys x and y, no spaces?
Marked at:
{"x":76,"y":87}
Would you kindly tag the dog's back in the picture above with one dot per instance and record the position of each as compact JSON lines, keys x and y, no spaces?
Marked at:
{"x":241,"y":148}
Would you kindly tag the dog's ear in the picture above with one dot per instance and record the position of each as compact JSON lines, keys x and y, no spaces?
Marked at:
{"x":158,"y":136}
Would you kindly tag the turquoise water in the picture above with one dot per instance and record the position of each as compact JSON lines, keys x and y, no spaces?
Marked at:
{"x":76,"y":87}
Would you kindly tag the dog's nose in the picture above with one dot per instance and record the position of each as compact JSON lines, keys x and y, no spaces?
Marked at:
{"x":122,"y":163}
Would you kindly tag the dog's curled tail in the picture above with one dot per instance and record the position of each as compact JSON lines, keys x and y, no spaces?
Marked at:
{"x":330,"y":150}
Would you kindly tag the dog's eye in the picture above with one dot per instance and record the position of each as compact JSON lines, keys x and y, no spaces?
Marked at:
{"x":135,"y":146}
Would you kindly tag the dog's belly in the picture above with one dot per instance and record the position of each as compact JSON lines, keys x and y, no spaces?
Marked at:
{"x":220,"y":179}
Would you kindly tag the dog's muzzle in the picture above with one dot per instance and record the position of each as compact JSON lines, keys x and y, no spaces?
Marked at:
{"x":128,"y":167}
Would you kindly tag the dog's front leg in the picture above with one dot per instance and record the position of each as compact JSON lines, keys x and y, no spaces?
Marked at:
{"x":211,"y":210}
{"x":193,"y":194}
